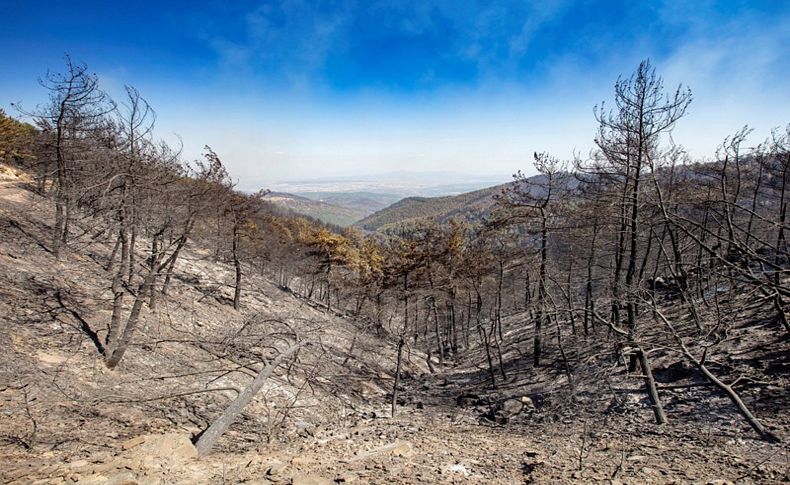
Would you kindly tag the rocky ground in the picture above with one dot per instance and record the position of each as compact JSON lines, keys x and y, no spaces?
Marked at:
{"x":435,"y":444}
{"x":64,"y":418}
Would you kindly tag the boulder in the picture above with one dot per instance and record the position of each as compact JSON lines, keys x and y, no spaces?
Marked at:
{"x":159,"y":450}
{"x":467,"y":399}
{"x":276,"y":468}
{"x":402,"y":449}
{"x":504,"y":410}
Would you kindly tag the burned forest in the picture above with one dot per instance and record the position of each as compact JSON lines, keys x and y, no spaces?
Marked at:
{"x":617,"y":317}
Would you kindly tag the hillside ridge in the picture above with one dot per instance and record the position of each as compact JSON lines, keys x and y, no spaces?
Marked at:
{"x":469,"y":205}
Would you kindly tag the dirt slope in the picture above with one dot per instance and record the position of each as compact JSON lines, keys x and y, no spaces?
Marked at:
{"x":64,"y":418}
{"x":57,"y":397}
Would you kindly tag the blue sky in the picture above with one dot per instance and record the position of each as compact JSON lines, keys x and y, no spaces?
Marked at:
{"x":297,"y":89}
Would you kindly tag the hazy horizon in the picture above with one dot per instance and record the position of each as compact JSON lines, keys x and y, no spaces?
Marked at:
{"x":398,"y":183}
{"x":294,"y":90}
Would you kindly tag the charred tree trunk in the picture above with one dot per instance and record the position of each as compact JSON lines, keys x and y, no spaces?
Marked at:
{"x":113,"y":254}
{"x":395,"y":385}
{"x":589,"y":300}
{"x":171,"y":267}
{"x":131,"y":254}
{"x":736,"y":399}
{"x":726,"y":389}
{"x":61,"y":177}
{"x":237,"y":266}
{"x":650,"y":386}
{"x":120,"y":340}
{"x":208,"y":438}
{"x":537,"y":344}
{"x":435,"y":311}
{"x":484,"y":337}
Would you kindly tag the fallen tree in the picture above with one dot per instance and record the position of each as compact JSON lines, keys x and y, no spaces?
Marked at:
{"x":206,"y":440}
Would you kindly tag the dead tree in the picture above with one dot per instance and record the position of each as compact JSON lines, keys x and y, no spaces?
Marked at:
{"x":699,"y":362}
{"x":240,"y":209}
{"x":628,"y":138}
{"x":206,"y":440}
{"x":76,"y":108}
{"x":533,"y":201}
{"x":135,"y":122}
{"x":405,"y":258}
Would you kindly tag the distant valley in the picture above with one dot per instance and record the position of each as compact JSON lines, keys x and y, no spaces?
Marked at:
{"x":371,"y":202}
{"x":338,"y":208}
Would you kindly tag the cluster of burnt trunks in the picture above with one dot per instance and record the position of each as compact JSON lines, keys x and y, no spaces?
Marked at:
{"x":764,"y":260}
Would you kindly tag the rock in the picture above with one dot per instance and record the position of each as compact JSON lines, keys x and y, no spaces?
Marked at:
{"x":176,"y":445}
{"x":502,"y":411}
{"x":51,"y":358}
{"x":129,"y":444}
{"x":368,"y":389}
{"x":467,"y":399}
{"x":78,"y":464}
{"x":402,"y":449}
{"x":310,"y":480}
{"x":125,"y":478}
{"x":458,"y":468}
{"x":304,"y":430}
{"x":300,"y":460}
{"x":346,"y":478}
{"x":674,"y":372}
{"x":529,"y":404}
{"x":104,"y":467}
{"x":88,"y":480}
{"x":158,"y":450}
{"x":276,"y":468}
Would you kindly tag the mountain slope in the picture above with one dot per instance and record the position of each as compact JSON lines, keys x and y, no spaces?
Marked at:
{"x":323,"y":211}
{"x":469,"y":206}
{"x":190,"y":356}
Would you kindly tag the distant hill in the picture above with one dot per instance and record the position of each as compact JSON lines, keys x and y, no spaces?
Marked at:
{"x":470,"y":206}
{"x":345,"y":201}
{"x":370,"y":210}
{"x":362,"y":203}
{"x":317,"y":209}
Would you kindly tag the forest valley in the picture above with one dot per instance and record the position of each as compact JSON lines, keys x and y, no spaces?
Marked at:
{"x":633,"y":282}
